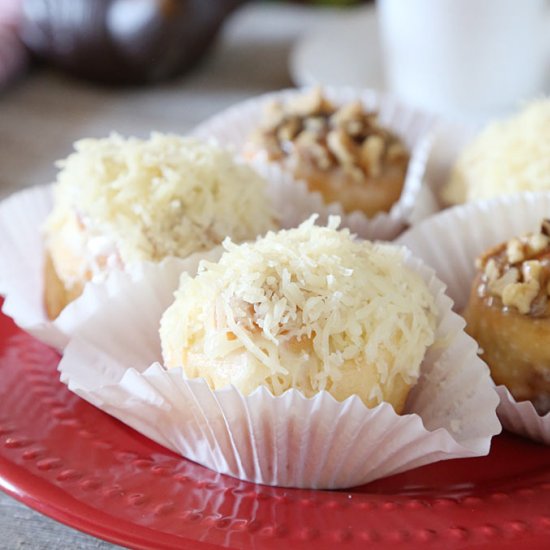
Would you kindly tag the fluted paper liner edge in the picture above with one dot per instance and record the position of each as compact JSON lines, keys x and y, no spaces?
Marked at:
{"x":114,"y":363}
{"x":450,"y":241}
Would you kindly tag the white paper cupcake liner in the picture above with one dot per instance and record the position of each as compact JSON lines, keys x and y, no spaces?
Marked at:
{"x":233,"y":127}
{"x":114,"y":359}
{"x":450,"y":242}
{"x":449,"y":138}
{"x":22,"y":216}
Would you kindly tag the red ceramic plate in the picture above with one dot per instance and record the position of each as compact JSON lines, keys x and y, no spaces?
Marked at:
{"x":63,"y":457}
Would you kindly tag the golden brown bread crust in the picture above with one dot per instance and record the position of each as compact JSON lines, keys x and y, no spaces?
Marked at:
{"x":56,"y":295}
{"x":372,"y":195}
{"x":514,"y":346}
{"x":351,"y":382}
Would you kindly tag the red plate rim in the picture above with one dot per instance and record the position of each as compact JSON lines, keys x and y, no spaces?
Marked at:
{"x":72,"y":462}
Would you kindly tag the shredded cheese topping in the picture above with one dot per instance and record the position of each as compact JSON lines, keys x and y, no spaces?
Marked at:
{"x":133,"y":200}
{"x":508,"y":156}
{"x":308,"y":308}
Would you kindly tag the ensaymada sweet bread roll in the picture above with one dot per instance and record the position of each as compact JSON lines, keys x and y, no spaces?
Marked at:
{"x":121,"y":201}
{"x":508,"y":313}
{"x":508,"y":156}
{"x":309,"y":308}
{"x":341,"y":151}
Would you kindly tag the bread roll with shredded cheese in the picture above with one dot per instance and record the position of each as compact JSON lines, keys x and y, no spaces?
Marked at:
{"x":121,"y":201}
{"x":508,"y":156}
{"x":308,"y":308}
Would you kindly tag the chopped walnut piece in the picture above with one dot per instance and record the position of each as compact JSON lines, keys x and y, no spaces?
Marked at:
{"x":309,"y":148}
{"x":347,"y":113}
{"x":537,"y":242}
{"x":307,"y":138}
{"x":272,"y":146}
{"x":372,"y":150}
{"x":514,"y":251}
{"x":315,"y":125}
{"x":491,"y":271}
{"x":273,"y":115}
{"x":342,"y":146}
{"x":310,"y":104}
{"x":531,"y":270}
{"x":289,"y":129}
{"x":497,"y":286}
{"x":545,"y":227}
{"x":355,"y":128}
{"x":520,"y":295}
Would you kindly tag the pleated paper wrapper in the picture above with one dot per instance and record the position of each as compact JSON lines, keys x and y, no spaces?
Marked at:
{"x":233,"y":128}
{"x":22,"y":216}
{"x":450,"y":241}
{"x":114,"y":362}
{"x":448,"y":139}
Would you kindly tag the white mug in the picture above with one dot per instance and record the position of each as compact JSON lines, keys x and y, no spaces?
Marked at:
{"x":466,"y":57}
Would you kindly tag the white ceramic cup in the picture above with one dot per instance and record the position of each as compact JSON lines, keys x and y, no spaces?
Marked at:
{"x":466,"y":57}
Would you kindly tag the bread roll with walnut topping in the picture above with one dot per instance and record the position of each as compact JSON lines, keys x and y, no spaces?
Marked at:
{"x":508,"y":313}
{"x":340,"y":151}
{"x":118,"y":202}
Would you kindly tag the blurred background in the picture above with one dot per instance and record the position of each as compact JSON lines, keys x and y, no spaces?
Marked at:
{"x":76,"y":68}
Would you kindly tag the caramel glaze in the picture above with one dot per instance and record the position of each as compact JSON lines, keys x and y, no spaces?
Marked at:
{"x":515,"y":345}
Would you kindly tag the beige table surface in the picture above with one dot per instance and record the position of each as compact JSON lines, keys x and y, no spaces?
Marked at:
{"x":44,"y":113}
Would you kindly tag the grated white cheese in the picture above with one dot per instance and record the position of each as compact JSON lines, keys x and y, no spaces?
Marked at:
{"x":508,"y":156}
{"x":148,"y":199}
{"x":308,"y":308}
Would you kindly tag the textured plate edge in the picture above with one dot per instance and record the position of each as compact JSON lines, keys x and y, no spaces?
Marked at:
{"x":15,"y":480}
